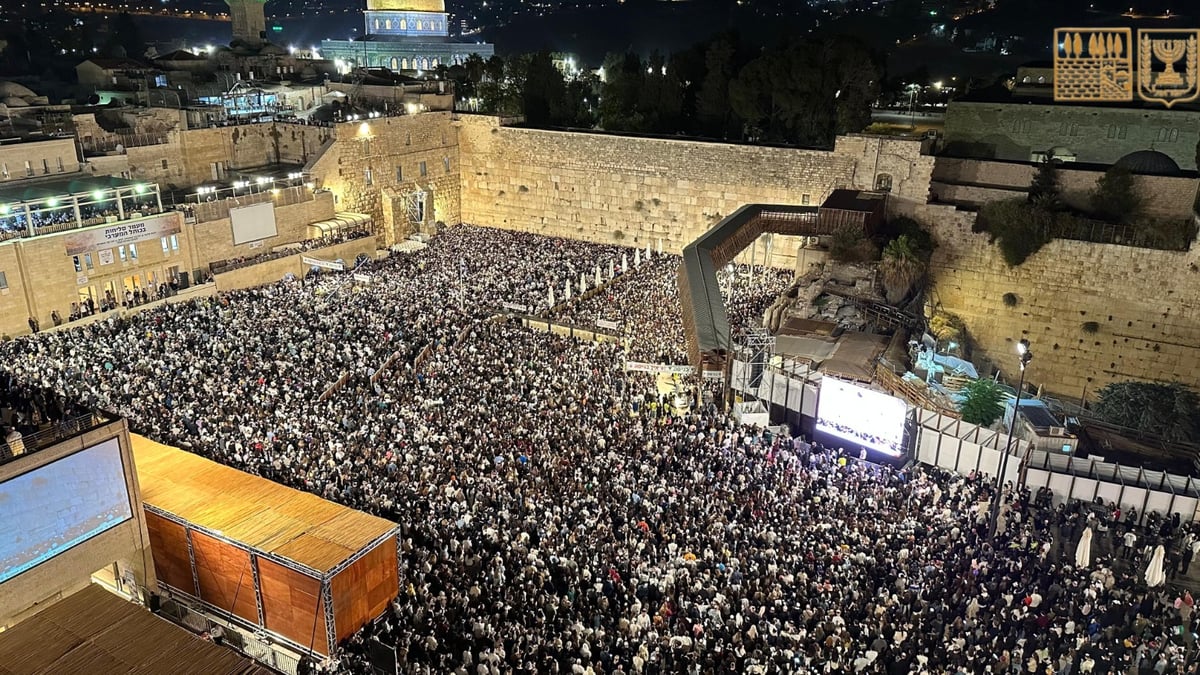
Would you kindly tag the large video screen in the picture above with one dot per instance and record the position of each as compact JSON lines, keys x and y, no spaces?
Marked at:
{"x":861,"y":416}
{"x":54,"y":507}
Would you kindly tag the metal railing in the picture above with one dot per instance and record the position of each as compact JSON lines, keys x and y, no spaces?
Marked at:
{"x":40,"y":440}
{"x":111,"y":143}
{"x":216,"y":210}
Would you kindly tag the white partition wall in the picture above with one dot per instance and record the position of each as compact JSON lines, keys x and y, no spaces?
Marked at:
{"x":958,"y":446}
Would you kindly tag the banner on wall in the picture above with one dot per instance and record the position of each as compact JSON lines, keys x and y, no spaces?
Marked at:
{"x":607,"y":325}
{"x":658,"y":368}
{"x":323,"y":264}
{"x":129,"y":232}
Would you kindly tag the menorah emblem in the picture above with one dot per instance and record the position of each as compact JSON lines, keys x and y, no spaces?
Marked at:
{"x":1159,"y":79}
{"x":1093,"y":64}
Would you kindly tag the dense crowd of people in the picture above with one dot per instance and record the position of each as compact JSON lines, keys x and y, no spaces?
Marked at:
{"x":552,"y":522}
{"x":45,"y":219}
{"x":645,"y":304}
{"x":291,"y":249}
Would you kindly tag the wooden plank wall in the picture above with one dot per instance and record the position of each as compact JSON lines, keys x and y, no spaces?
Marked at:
{"x":168,"y":542}
{"x":363,"y":590}
{"x":292,"y":605}
{"x":225,"y":577}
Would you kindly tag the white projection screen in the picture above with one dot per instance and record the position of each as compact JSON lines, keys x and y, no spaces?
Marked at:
{"x":861,"y":417}
{"x":253,"y":223}
{"x":60,"y":505}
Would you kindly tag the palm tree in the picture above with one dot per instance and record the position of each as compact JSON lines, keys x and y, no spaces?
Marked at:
{"x":902,"y":266}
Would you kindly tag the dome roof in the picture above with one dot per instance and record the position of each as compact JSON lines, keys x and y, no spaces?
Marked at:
{"x":1149,"y":163}
{"x":13,"y":89}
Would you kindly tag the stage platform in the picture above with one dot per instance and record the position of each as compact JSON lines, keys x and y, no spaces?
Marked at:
{"x":303,"y":568}
{"x":94,"y":632}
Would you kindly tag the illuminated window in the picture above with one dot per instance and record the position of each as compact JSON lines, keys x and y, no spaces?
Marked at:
{"x":395,"y":63}
{"x":403,"y":24}
{"x":404,"y":63}
{"x":376,"y":24}
{"x":388,"y":23}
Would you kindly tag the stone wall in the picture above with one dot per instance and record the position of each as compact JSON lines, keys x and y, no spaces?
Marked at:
{"x":1097,"y":135}
{"x":52,"y":157}
{"x":270,"y":271}
{"x":634,"y":190}
{"x":14,"y":305}
{"x":1145,"y":304}
{"x":378,"y":166}
{"x":187,"y":158}
{"x":973,"y":182}
{"x":214,"y":239}
{"x":43,"y":278}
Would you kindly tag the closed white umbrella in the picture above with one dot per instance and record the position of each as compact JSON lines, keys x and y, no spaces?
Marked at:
{"x":637,"y":257}
{"x":1155,"y":576}
{"x":1083,"y":552}
{"x":624,"y":263}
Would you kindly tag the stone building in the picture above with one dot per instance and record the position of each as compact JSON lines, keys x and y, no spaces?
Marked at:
{"x":1024,"y":122}
{"x":404,"y":35}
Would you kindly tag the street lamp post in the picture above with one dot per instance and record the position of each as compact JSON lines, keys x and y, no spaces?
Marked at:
{"x":1025,"y":356}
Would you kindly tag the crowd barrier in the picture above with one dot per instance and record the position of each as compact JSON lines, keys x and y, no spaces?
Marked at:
{"x":568,"y":330}
{"x":962,"y":447}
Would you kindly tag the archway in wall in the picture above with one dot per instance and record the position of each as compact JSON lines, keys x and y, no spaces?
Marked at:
{"x":395,"y":63}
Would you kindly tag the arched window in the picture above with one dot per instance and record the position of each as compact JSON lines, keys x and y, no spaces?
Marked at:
{"x":404,"y":63}
{"x":435,"y":63}
{"x":389,"y":24}
{"x":1025,"y":80}
{"x":420,"y":25}
{"x":403,"y":24}
{"x":883,"y":182}
{"x":376,"y":24}
{"x":424,"y":63}
{"x":1041,"y":79}
{"x":395,"y":63}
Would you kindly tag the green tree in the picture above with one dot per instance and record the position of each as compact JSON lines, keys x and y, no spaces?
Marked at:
{"x":544,"y":93}
{"x":125,"y":34}
{"x":982,"y":402}
{"x":901,"y":267}
{"x":660,"y":99}
{"x":1116,"y":197}
{"x":1016,"y":227}
{"x":712,"y":102}
{"x":1046,"y":189}
{"x":620,"y":94}
{"x":475,"y":68}
{"x":1170,"y":411}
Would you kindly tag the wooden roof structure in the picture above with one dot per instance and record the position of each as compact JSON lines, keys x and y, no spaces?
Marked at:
{"x":95,"y":632}
{"x":253,"y":511}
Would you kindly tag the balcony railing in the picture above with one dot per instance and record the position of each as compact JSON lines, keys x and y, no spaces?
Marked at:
{"x":56,"y":433}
